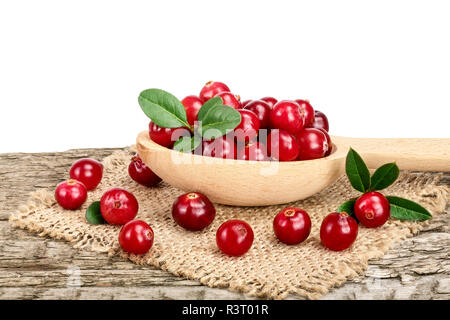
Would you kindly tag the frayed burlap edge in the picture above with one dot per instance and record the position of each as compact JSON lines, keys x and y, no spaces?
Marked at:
{"x":423,"y":187}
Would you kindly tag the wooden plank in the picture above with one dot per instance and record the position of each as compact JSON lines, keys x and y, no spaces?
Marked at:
{"x":32,"y":267}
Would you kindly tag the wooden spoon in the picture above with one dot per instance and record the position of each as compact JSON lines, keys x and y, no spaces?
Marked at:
{"x":252,"y":183}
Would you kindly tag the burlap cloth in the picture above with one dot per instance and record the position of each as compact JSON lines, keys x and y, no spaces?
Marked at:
{"x":270,"y":269}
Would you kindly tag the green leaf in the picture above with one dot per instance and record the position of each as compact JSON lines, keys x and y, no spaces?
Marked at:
{"x":93,"y":214}
{"x":404,"y":209}
{"x":218,"y":121}
{"x":384,"y":176}
{"x":187,"y":144}
{"x":349,"y":207}
{"x":206,"y":107}
{"x":357,"y":172}
{"x":163,"y":108}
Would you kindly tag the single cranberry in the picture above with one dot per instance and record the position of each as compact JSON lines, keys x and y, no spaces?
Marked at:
{"x":166,"y":137}
{"x":372,"y":209}
{"x":230,"y":99}
{"x":71,"y":194}
{"x":270,"y":101}
{"x":136,"y":237}
{"x":222,"y":147}
{"x":234,"y":237}
{"x":338,"y":231}
{"x":193,"y":211}
{"x":211,"y":89}
{"x":313,"y":144}
{"x":262,"y":111}
{"x":118,"y":206}
{"x":253,"y":151}
{"x":142,"y":174}
{"x":248,"y":127}
{"x":286,"y":115}
{"x":292,"y":225}
{"x":307,"y":111}
{"x":192,"y":105}
{"x":329,"y":143}
{"x":88,"y":171}
{"x":282,"y":145}
{"x":246,"y":102}
{"x":320,"y":121}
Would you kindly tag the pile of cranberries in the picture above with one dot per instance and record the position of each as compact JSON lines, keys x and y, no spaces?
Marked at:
{"x":293,"y":130}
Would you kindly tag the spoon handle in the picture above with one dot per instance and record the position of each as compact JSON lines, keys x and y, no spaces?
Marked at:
{"x":409,"y":154}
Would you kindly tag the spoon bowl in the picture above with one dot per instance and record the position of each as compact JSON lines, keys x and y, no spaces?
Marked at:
{"x":260,"y":183}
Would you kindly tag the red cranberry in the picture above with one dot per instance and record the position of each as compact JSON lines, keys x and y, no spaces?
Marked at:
{"x":71,"y":194}
{"x":230,"y":100}
{"x":248,"y":127}
{"x":270,"y":101}
{"x":142,"y":174}
{"x":193,"y":211}
{"x":211,"y":89}
{"x":292,"y":225}
{"x":254,"y":151}
{"x":246,"y":102}
{"x":262,"y":111}
{"x":286,"y":115}
{"x":166,"y":137}
{"x":329,"y":143}
{"x":282,"y":145}
{"x":313,"y":144}
{"x":192,"y":104}
{"x":222,"y":147}
{"x":118,"y":206}
{"x":372,"y":209}
{"x":338,"y":231}
{"x":88,"y":171}
{"x":307,"y":111}
{"x":234,"y":237}
{"x":320,"y":121}
{"x":136,"y":237}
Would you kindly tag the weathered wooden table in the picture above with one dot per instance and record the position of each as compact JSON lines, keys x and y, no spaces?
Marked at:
{"x":32,"y":267}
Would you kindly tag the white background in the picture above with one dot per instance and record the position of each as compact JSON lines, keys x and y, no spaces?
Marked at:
{"x":71,"y":71}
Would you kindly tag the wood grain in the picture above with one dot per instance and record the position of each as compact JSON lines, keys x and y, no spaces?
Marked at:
{"x":40,"y":268}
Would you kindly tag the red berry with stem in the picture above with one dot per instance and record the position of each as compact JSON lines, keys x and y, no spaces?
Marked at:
{"x":71,"y":194}
{"x":222,"y":147}
{"x":320,"y":121}
{"x":211,"y":89}
{"x":262,"y":111}
{"x":230,"y":100}
{"x":142,"y":174}
{"x":253,"y":151}
{"x":234,"y":237}
{"x":192,"y":105}
{"x":313,"y":144}
{"x":248,"y":128}
{"x":88,"y":171}
{"x":286,"y":115}
{"x":307,"y":111}
{"x":118,"y":206}
{"x":338,"y":231}
{"x":282,"y":145}
{"x":193,"y":211}
{"x":270,"y":101}
{"x":372,"y":209}
{"x":136,"y":237}
{"x":292,"y":225}
{"x":166,"y":137}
